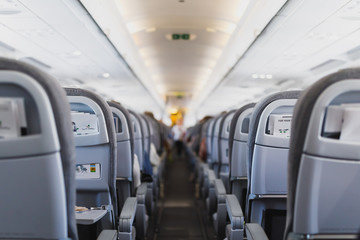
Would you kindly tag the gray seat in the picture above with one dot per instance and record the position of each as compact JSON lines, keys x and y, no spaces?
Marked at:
{"x":238,"y":151}
{"x":142,"y":190}
{"x":156,"y":135}
{"x":215,"y":164}
{"x":164,"y":134}
{"x":221,"y":185}
{"x":209,"y":131}
{"x":208,"y":142}
{"x":37,"y":178}
{"x":268,"y":143}
{"x":138,"y":138}
{"x":224,"y":134}
{"x":96,"y":150}
{"x":146,"y":136}
{"x":155,"y":139}
{"x":200,"y":166}
{"x":324,"y":170}
{"x":125,"y":153}
{"x":213,"y":171}
{"x":150,"y":201}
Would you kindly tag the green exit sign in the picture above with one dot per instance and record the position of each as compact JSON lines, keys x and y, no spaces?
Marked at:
{"x":178,"y":36}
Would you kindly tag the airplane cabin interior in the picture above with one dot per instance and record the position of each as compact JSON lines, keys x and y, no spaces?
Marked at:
{"x":179,"y":119}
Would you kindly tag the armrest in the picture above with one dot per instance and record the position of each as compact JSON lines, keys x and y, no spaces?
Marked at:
{"x":127,"y":215}
{"x":234,"y":211}
{"x":220,"y":190}
{"x":107,"y":235}
{"x":255,"y":231}
{"x":141,"y":193}
{"x":211,"y":175}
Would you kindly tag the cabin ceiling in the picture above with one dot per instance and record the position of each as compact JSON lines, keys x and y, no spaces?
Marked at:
{"x":238,"y":51}
{"x":219,"y":33}
{"x":181,"y":65}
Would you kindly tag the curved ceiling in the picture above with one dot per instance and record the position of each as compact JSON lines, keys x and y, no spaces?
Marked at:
{"x":180,"y":65}
{"x":219,"y":32}
{"x":238,"y":51}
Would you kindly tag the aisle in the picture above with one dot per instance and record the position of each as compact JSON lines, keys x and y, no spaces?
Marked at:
{"x":179,"y":216}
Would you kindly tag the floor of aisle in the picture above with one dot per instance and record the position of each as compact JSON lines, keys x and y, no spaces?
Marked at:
{"x":181,"y":216}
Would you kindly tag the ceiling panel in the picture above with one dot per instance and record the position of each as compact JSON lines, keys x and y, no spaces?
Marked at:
{"x":60,"y":37}
{"x":305,"y":41}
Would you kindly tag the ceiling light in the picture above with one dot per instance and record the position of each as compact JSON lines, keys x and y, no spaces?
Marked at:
{"x":156,"y":77}
{"x":149,"y":30}
{"x":160,"y":88}
{"x":262,"y":76}
{"x":150,"y":63}
{"x":105,"y":75}
{"x":76,"y":53}
{"x":208,"y":29}
{"x":269,"y":76}
{"x":73,"y":54}
{"x":173,"y":111}
{"x":255,"y":75}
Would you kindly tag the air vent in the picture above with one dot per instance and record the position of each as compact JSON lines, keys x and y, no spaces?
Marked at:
{"x":331,"y":64}
{"x":35,"y":62}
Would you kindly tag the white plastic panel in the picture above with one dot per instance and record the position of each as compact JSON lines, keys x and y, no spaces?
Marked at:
{"x":269,"y":170}
{"x":327,"y":197}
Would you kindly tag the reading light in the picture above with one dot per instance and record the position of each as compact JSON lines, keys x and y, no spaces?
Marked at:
{"x":73,"y":54}
{"x":105,"y":75}
{"x":76,"y":53}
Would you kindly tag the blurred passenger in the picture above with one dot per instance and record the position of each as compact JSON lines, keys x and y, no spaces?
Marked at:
{"x":178,"y":133}
{"x":202,"y":151}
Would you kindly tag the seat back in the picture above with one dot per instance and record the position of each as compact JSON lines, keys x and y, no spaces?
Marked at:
{"x":324,"y":167}
{"x":146,"y":129}
{"x":209,"y":132}
{"x":152,"y":129}
{"x":125,"y":153}
{"x":156,"y":138}
{"x":238,"y":152}
{"x":96,"y":153}
{"x":224,"y":149}
{"x":268,"y":142}
{"x":215,"y":144}
{"x":138,"y":137}
{"x":37,"y":156}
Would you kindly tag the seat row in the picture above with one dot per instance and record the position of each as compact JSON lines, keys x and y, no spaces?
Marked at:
{"x":286,"y":166}
{"x":62,"y":148}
